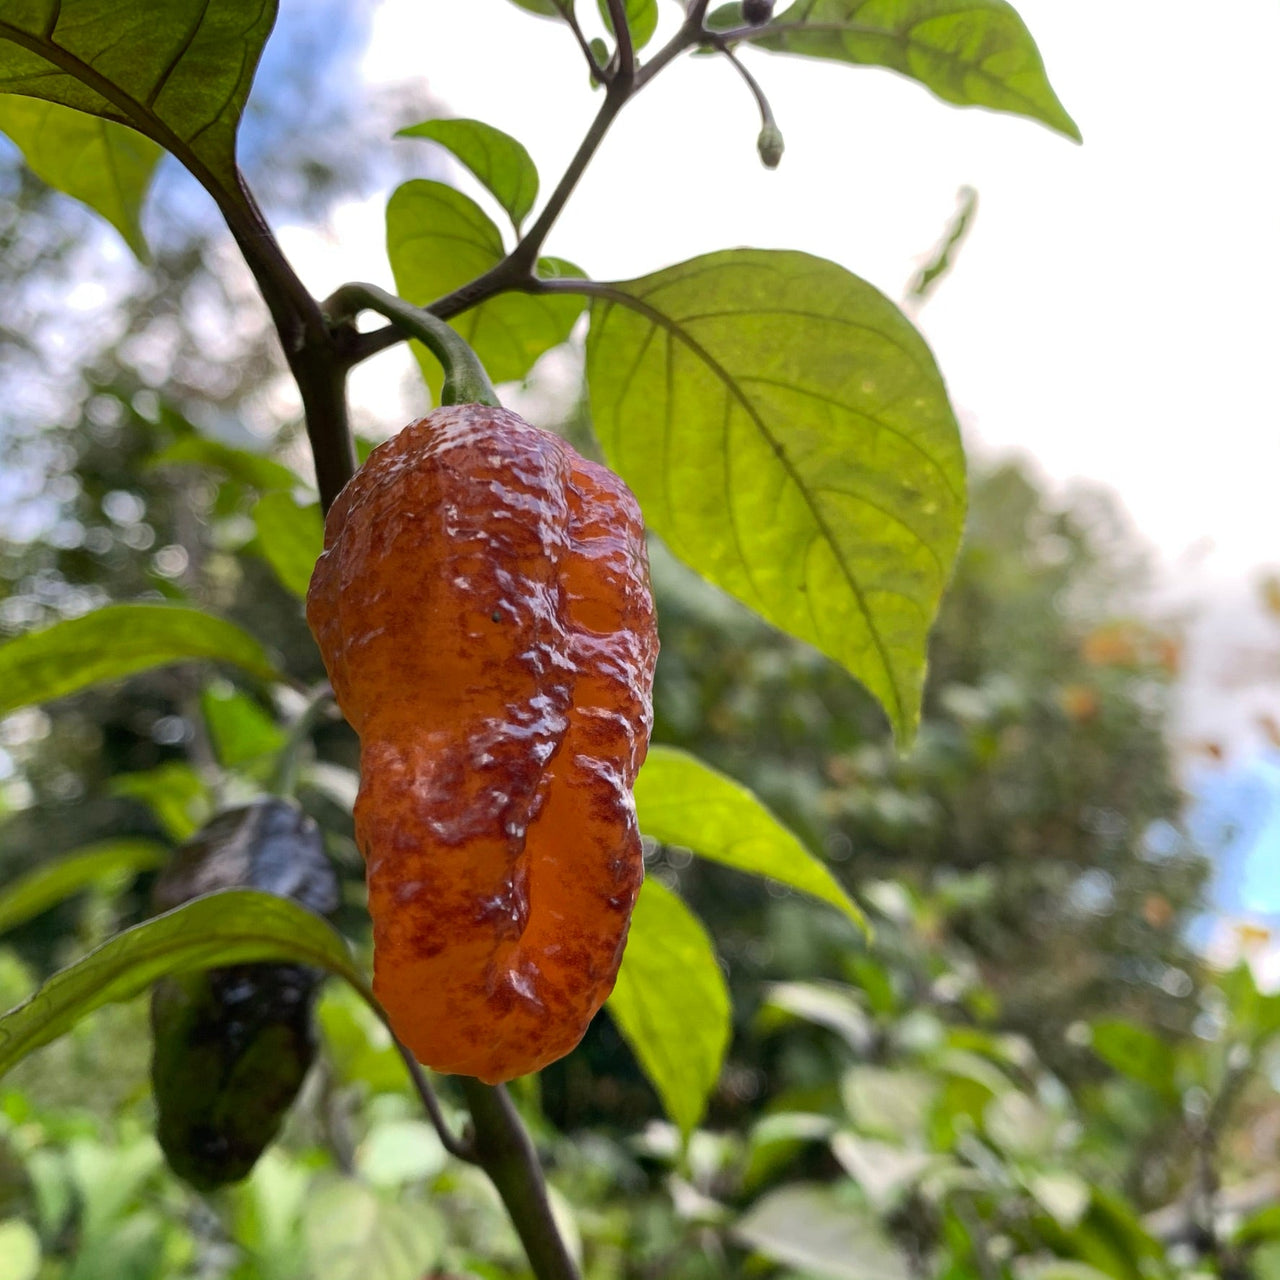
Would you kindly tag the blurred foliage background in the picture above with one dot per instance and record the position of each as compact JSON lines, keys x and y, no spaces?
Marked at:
{"x":1028,"y":1074}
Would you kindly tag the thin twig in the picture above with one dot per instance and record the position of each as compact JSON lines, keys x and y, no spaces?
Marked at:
{"x":625,"y":68}
{"x":602,"y":74}
{"x":453,"y":1144}
{"x":516,"y":270}
{"x":766,"y":111}
{"x":284,"y":780}
{"x":504,"y":1150}
{"x":465,"y":379}
{"x":692,"y":31}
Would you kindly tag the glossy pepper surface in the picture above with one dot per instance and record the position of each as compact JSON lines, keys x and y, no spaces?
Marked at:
{"x":484,"y":613}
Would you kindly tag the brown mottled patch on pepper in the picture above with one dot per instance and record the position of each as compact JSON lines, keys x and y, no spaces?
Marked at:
{"x":483,"y":609}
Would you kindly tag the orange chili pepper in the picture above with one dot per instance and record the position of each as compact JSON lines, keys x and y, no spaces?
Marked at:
{"x":483,"y":608}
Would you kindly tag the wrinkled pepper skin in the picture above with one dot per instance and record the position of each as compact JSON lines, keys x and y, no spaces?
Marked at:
{"x":231,"y":1046}
{"x":484,"y":613}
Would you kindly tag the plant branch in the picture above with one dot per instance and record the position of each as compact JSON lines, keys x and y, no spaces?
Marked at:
{"x":602,"y":74}
{"x":465,"y":381}
{"x":313,"y":352}
{"x":626,"y":52}
{"x":692,"y":31}
{"x":284,"y":779}
{"x":505,"y":1152}
{"x":499,"y":1144}
{"x":766,"y":111}
{"x":454,"y":1145}
{"x":525,"y":254}
{"x":516,"y":271}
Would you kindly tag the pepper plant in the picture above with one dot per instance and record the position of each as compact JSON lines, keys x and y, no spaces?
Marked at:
{"x":783,"y":425}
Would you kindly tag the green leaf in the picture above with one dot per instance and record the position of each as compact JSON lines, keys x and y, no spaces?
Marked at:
{"x":889,"y":1103}
{"x":682,"y":801}
{"x":497,"y":159}
{"x":671,"y":1003}
{"x":174,"y":792}
{"x":55,"y":881}
{"x":353,"y":1233}
{"x":885,"y":1171}
{"x":236,"y":926}
{"x":104,"y":165}
{"x":969,"y":52}
{"x":359,"y":1047}
{"x":789,"y":436}
{"x":1137,"y":1053}
{"x":178,"y":71}
{"x":438,"y":239}
{"x":107,"y":1181}
{"x":1262,"y":1225}
{"x":397,"y":1152}
{"x":837,"y":1008}
{"x":1253,"y":1015}
{"x":117,"y":641}
{"x":813,"y":1226}
{"x":1264,"y":1264}
{"x":776,"y":1139}
{"x":290,"y":539}
{"x":241,"y":465}
{"x":642,"y":18}
{"x":1021,"y":1126}
{"x":241,"y":730}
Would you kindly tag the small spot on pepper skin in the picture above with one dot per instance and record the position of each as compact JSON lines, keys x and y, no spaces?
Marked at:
{"x":497,"y":760}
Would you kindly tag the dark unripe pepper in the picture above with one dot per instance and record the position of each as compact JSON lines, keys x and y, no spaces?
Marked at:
{"x":483,"y":610}
{"x":233,"y":1045}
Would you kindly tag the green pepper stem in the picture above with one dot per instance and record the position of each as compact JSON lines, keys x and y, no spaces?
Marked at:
{"x":465,"y":381}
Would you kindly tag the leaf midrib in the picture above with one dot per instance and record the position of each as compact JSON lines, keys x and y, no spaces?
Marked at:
{"x":906,"y":41}
{"x":659,"y":319}
{"x":142,"y":117}
{"x":146,"y":952}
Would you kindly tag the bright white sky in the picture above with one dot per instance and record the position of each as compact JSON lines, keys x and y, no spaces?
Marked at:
{"x":1114,"y":310}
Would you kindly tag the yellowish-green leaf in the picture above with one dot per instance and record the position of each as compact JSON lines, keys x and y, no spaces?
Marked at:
{"x":439,"y":239}
{"x":178,"y":71}
{"x":240,"y":730}
{"x":789,"y":436}
{"x":290,"y":539}
{"x":813,"y":1228}
{"x":174,"y":792}
{"x":103,"y":164}
{"x":252,"y":469}
{"x":682,"y":801}
{"x":237,"y":926}
{"x":53,"y":882}
{"x":671,"y":1003}
{"x":642,"y":20}
{"x":497,"y":159}
{"x":117,"y":641}
{"x":354,"y":1233}
{"x":969,"y":52}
